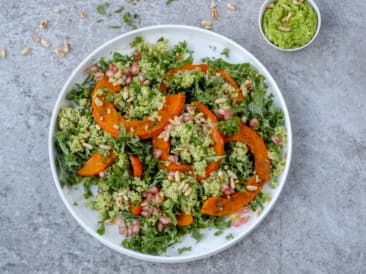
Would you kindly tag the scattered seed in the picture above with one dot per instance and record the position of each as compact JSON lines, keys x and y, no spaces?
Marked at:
{"x":86,"y":145}
{"x":116,"y":126}
{"x":2,"y":52}
{"x":66,"y":46}
{"x":213,"y":11}
{"x":284,"y":28}
{"x":26,"y":50}
{"x":270,"y":6}
{"x":43,"y":24}
{"x":232,"y":174}
{"x":119,"y":201}
{"x":83,"y":14}
{"x":181,"y":186}
{"x":129,"y":100}
{"x":56,"y":10}
{"x":105,"y":147}
{"x":297,"y":3}
{"x":232,"y":183}
{"x":288,"y":17}
{"x":108,"y":111}
{"x":251,"y":188}
{"x":231,"y":6}
{"x":189,"y":190}
{"x":286,"y":7}
{"x":177,"y":176}
{"x":36,"y":38}
{"x":185,"y":188}
{"x":206,"y":24}
{"x":220,"y":100}
{"x":145,"y":203}
{"x":258,"y":212}
{"x":45,"y":43}
{"x":59,"y":52}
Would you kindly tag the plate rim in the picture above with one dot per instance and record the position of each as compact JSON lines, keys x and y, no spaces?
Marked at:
{"x":148,"y":257}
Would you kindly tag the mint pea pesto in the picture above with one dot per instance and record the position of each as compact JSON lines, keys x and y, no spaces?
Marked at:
{"x":289,"y":24}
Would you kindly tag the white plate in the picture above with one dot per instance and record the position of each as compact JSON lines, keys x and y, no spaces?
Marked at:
{"x":202,"y":42}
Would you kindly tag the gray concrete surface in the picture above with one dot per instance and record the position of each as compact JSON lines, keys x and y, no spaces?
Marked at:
{"x":319,"y":223}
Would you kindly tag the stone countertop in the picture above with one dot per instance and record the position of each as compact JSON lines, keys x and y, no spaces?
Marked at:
{"x":319,"y":222}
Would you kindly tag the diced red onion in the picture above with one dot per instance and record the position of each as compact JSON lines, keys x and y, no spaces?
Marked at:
{"x":142,"y":79}
{"x":156,"y":210}
{"x":224,"y":113}
{"x":122,"y":230}
{"x":277,"y":140}
{"x":164,"y":220}
{"x":113,"y":68}
{"x":135,"y":68}
{"x":145,"y":213}
{"x":157,"y":153}
{"x":128,"y":80}
{"x":244,"y":219}
{"x":150,"y":196}
{"x":254,"y":123}
{"x":144,"y":194}
{"x":244,"y":210}
{"x":98,"y":76}
{"x":109,"y":73}
{"x":173,"y":158}
{"x":187,"y":117}
{"x":160,"y":227}
{"x":154,"y":190}
{"x":101,"y":174}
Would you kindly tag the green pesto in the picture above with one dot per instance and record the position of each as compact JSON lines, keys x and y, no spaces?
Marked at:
{"x":288,"y":25}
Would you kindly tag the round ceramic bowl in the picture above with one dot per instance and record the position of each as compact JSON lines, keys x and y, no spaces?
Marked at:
{"x":263,"y":9}
{"x":202,"y":42}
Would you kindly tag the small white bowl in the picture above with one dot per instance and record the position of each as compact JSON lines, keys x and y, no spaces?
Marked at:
{"x":261,"y":12}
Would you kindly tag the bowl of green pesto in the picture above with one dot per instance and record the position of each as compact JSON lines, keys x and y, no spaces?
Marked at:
{"x":289,"y":25}
{"x":170,"y":143}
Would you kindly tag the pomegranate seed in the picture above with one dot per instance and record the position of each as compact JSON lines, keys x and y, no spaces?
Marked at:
{"x":156,"y":210}
{"x":128,"y":80}
{"x":109,"y":73}
{"x":144,"y":194}
{"x":154,"y":190}
{"x":224,"y":187}
{"x":224,"y":113}
{"x":145,"y":213}
{"x":160,"y":227}
{"x":244,"y":219}
{"x":244,"y":119}
{"x":135,"y":68}
{"x":149,"y":196}
{"x":92,"y":69}
{"x":173,"y":158}
{"x":277,"y":140}
{"x":254,"y":123}
{"x":113,"y":68}
{"x":236,"y":221}
{"x":164,"y":220}
{"x":98,"y":76}
{"x":244,"y":210}
{"x":142,"y":79}
{"x":101,"y":174}
{"x":157,"y":153}
{"x":146,"y":208}
{"x":187,"y":117}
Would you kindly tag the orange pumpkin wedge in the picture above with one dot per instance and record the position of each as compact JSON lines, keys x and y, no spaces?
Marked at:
{"x":110,"y":120}
{"x":218,"y":206}
{"x":204,"y":68}
{"x":96,"y":163}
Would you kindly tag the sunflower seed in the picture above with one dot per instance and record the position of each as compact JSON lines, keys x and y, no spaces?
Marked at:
{"x":26,"y":50}
{"x":36,"y":38}
{"x":213,"y":11}
{"x":231,"y":6}
{"x":220,"y":100}
{"x":2,"y":52}
{"x":181,"y":186}
{"x":86,"y":145}
{"x":59,"y":52}
{"x":66,"y":46}
{"x":56,"y":10}
{"x":288,"y":17}
{"x":297,"y":3}
{"x":284,"y":28}
{"x":258,"y":212}
{"x":83,"y":14}
{"x":206,"y":24}
{"x":270,"y":6}
{"x":188,"y":191}
{"x":177,"y":176}
{"x":252,"y":188}
{"x":43,"y":24}
{"x":185,"y":188}
{"x":105,"y":147}
{"x":45,"y":43}
{"x":286,"y":7}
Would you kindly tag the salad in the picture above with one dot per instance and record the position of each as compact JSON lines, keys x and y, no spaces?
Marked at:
{"x":172,"y":147}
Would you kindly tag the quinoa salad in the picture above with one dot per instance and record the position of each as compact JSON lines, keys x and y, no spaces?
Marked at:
{"x":172,"y":146}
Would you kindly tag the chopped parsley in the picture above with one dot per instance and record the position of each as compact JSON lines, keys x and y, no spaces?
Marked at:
{"x":184,"y":249}
{"x":225,"y":52}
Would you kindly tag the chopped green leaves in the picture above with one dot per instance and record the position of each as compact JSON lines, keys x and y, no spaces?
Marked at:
{"x":184,"y":249}
{"x":229,"y":127}
{"x":225,"y":52}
